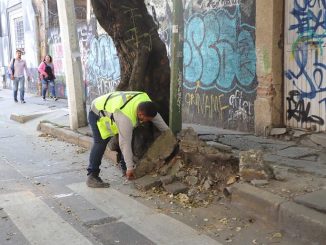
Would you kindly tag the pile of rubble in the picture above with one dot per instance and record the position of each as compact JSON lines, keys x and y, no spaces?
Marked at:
{"x":197,"y":171}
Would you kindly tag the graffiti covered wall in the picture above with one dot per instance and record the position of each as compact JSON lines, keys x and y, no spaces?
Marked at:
{"x":100,"y":64}
{"x":305,"y":64}
{"x":220,"y":81}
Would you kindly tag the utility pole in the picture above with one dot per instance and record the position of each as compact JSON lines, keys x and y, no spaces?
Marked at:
{"x":72,"y":63}
{"x":175,"y":117}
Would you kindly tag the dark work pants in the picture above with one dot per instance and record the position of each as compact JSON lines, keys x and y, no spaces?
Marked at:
{"x":98,"y":148}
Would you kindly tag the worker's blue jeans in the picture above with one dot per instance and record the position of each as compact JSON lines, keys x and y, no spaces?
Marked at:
{"x":98,"y":148}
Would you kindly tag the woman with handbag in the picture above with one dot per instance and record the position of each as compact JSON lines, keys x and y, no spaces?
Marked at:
{"x":47,"y":76}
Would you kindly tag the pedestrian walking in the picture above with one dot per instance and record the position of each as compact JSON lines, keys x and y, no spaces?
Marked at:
{"x":16,"y":69}
{"x":118,"y":113}
{"x":47,"y":77}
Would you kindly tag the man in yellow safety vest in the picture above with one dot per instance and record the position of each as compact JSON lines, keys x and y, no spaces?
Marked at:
{"x":118,"y":113}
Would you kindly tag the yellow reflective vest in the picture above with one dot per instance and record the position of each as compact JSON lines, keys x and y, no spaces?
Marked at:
{"x":123,"y":101}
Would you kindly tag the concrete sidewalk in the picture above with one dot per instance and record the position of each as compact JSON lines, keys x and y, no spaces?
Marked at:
{"x":295,"y":202}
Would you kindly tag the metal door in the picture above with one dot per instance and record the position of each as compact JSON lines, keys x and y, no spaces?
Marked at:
{"x":305,"y":64}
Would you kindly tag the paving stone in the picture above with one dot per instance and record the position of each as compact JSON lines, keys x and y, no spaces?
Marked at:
{"x":219,"y":146}
{"x":278,"y":131}
{"x":296,"y":152}
{"x":147,"y":182}
{"x":176,"y":188}
{"x":319,"y":139}
{"x":258,"y":182}
{"x":315,"y":200}
{"x":208,"y":137}
{"x":298,"y":133}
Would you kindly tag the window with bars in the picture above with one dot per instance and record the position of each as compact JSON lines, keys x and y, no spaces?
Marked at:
{"x":19,"y":31}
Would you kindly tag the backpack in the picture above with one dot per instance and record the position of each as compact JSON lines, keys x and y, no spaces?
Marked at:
{"x":12,"y":68}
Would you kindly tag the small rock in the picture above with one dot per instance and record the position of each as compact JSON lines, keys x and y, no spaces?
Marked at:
{"x":258,"y":182}
{"x":280,"y":175}
{"x":167,"y":179}
{"x":192,"y":192}
{"x":193,"y":172}
{"x":206,"y":220}
{"x":147,"y":182}
{"x":183,"y":198}
{"x":181,"y":174}
{"x":201,"y":197}
{"x":207,"y":184}
{"x":176,"y":188}
{"x":231,"y":180}
{"x":192,"y":180}
{"x":277,"y":235}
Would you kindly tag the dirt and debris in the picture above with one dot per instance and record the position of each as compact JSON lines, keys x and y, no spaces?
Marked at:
{"x":198,"y":172}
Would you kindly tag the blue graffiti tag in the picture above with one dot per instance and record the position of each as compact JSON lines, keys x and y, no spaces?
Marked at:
{"x":219,"y":51}
{"x":103,"y":62}
{"x":311,"y":29}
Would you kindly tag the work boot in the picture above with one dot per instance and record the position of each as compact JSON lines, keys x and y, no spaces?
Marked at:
{"x":94,"y":181}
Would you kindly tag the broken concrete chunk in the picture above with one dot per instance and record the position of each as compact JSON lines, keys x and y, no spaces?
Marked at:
{"x":298,"y":133}
{"x":147,"y":182}
{"x":181,"y":174}
{"x":192,"y":180}
{"x":154,"y":158}
{"x":193,"y":172}
{"x":219,"y":146}
{"x":190,"y":141}
{"x":278,"y":131}
{"x":176,"y":188}
{"x":167,"y":179}
{"x":252,"y":166}
{"x":208,"y":137}
{"x":207,"y":184}
{"x":176,"y":167}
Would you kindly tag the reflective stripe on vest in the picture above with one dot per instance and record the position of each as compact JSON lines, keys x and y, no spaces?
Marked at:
{"x":106,"y":124}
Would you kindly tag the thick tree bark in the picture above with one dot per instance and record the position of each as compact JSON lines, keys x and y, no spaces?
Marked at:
{"x":142,"y":54}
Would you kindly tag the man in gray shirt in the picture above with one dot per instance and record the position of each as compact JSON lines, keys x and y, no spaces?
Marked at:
{"x":118,"y":113}
{"x":16,"y":70}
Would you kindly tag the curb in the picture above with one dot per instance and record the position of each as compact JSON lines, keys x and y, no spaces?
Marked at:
{"x":73,"y":137}
{"x":25,"y":118}
{"x":296,"y":220}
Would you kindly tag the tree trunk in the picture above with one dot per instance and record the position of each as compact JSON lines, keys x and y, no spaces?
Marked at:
{"x":142,"y":54}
